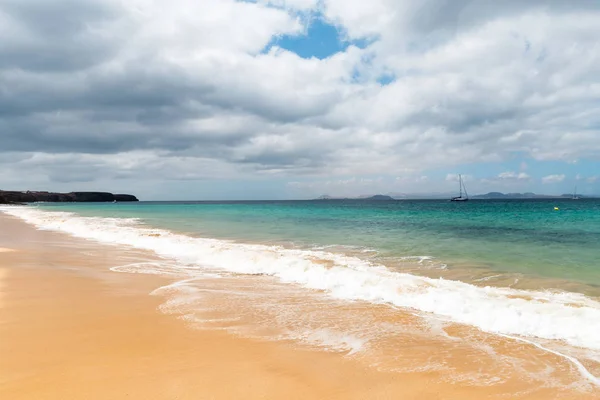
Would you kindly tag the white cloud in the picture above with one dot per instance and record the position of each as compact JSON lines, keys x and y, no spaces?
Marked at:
{"x":411,"y":178}
{"x":292,"y":4}
{"x":188,"y":84}
{"x":553,"y":178}
{"x":455,"y":178}
{"x":511,"y":175}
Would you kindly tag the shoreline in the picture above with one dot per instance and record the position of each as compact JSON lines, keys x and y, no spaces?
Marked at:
{"x":462,"y":270}
{"x":67,"y":333}
{"x":111,"y":337}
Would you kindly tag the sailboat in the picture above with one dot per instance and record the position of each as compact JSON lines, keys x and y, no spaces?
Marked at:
{"x":461,"y":189}
{"x":575,"y":197}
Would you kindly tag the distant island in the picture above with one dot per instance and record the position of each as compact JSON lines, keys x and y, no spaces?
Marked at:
{"x":375,"y":197}
{"x":442,"y":196}
{"x":379,"y":197}
{"x":527,"y":195}
{"x":14,"y":197}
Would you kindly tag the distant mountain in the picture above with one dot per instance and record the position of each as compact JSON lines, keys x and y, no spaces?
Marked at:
{"x":581,"y":196}
{"x":375,"y":197}
{"x":421,"y":196}
{"x":447,"y":196}
{"x":379,"y":197}
{"x":527,"y":195}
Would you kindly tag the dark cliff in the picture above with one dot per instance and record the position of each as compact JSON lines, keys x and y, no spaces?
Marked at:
{"x":8,"y":197}
{"x":125,"y":197}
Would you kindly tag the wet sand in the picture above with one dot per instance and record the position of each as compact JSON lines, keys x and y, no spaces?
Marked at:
{"x":72,"y":329}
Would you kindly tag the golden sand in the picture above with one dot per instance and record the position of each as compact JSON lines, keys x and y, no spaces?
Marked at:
{"x":72,"y":329}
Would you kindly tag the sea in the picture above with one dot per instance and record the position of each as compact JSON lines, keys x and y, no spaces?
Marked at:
{"x":491,"y":292}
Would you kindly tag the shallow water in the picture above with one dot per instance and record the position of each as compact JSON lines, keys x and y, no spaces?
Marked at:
{"x":349,"y":276}
{"x":526,"y":236}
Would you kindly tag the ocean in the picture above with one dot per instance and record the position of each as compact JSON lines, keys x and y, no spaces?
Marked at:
{"x":360,"y":277}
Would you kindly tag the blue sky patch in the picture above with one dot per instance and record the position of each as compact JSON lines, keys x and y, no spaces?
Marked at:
{"x":321,"y":40}
{"x":386,"y":79}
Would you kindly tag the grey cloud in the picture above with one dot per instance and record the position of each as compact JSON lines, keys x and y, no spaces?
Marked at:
{"x":57,"y":35}
{"x":453,"y":16}
{"x":71,"y":81}
{"x":275,"y":159}
{"x":67,"y":88}
{"x":58,"y":18}
{"x":135,"y":109}
{"x":84,"y":134}
{"x":64,"y":175}
{"x":78,"y":168}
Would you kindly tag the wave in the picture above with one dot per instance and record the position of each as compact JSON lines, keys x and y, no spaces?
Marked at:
{"x":571,"y":318}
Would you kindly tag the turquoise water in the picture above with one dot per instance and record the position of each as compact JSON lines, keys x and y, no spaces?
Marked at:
{"x":311,"y":271}
{"x":518,"y":236}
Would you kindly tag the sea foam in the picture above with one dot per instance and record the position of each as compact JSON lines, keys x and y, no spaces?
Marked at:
{"x":571,"y":318}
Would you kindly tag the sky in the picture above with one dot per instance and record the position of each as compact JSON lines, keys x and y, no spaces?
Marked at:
{"x":292,"y":99}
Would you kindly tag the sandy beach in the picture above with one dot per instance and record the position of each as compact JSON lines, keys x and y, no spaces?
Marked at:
{"x":72,"y":329}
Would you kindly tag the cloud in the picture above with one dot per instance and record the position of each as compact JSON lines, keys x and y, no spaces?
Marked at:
{"x":507,"y":180}
{"x":553,"y":178}
{"x":302,"y":5}
{"x":455,"y":178}
{"x":188,"y":90}
{"x":513,"y":176}
{"x":412,"y":178}
{"x":588,"y":179}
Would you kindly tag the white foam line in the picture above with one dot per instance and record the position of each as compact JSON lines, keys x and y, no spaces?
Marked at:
{"x":582,"y":369}
{"x":178,"y":283}
{"x":218,"y":320}
{"x":487,"y":278}
{"x":568,"y":317}
{"x":118,"y":267}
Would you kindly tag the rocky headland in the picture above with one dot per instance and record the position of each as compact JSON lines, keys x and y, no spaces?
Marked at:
{"x":14,"y":197}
